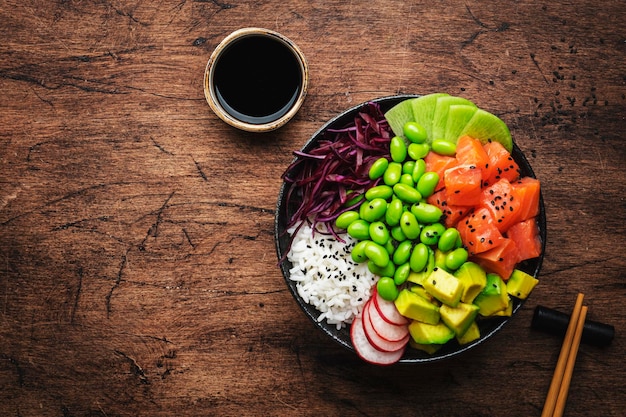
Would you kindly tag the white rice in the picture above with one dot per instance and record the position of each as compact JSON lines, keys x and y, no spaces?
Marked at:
{"x":326,"y":276}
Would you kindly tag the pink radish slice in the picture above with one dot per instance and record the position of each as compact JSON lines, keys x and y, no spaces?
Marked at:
{"x":388,"y":310}
{"x":366,"y":351}
{"x":388,"y":331}
{"x":374,"y":338}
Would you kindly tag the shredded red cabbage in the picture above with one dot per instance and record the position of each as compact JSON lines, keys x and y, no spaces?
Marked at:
{"x":321,"y":181}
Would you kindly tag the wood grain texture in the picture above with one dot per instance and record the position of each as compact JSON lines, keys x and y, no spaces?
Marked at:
{"x":137,"y":264}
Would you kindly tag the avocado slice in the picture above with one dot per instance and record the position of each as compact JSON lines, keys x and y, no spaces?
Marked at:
{"x":493,"y":298}
{"x":472,"y":333}
{"x":424,"y":112}
{"x":444,"y":286}
{"x":440,"y":117}
{"x":474,"y":279}
{"x":458,"y":116}
{"x":458,"y":318}
{"x":411,"y":305}
{"x":430,"y":348}
{"x":398,"y":115}
{"x":486,"y":126}
{"x":520,"y":284}
{"x":428,"y":334}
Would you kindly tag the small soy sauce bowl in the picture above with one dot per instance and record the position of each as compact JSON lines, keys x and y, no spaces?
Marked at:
{"x":256,"y":79}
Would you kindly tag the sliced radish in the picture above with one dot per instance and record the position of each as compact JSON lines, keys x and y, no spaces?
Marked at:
{"x":374,"y":338}
{"x":366,"y":351}
{"x":388,"y":310}
{"x":388,"y":331}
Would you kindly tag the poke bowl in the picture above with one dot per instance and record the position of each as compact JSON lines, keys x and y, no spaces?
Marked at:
{"x":324,"y":231}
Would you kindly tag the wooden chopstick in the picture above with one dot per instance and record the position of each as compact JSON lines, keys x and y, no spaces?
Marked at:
{"x":557,"y":393}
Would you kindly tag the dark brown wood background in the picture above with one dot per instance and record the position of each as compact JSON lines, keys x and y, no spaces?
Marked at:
{"x":138,"y":271}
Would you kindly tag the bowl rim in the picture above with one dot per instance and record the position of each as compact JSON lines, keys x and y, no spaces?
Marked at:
{"x":342,"y":337}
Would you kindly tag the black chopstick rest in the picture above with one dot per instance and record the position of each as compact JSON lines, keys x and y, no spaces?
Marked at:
{"x":554,"y":322}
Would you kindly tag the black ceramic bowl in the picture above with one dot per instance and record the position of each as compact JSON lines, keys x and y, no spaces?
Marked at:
{"x":488,"y":327}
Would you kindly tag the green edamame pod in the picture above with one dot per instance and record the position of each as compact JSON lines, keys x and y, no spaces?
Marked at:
{"x":394,"y":212}
{"x":397,"y":233}
{"x":456,"y":258}
{"x":410,"y":226}
{"x":418,"y":170}
{"x":427,"y":183}
{"x":387,"y":289}
{"x":379,"y":191}
{"x":401,"y":274}
{"x":359,"y":229}
{"x":403,"y":252}
{"x":406,"y":193}
{"x":448,"y":240}
{"x":346,"y":218}
{"x":430,"y":234}
{"x":408,"y":167}
{"x":414,"y":132}
{"x":407,"y":179}
{"x":378,"y":168}
{"x":443,"y":147}
{"x":392,"y":173}
{"x":377,"y":254}
{"x":426,"y":213}
{"x":397,"y":149}
{"x":379,"y":233}
{"x":419,"y":257}
{"x":373,"y":210}
{"x":418,"y":150}
{"x":386,"y":271}
{"x":358,"y":251}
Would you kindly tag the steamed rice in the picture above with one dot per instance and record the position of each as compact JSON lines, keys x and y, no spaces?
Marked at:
{"x":326,"y":276}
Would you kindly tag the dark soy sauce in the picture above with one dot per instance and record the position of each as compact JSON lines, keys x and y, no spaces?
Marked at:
{"x":257,"y":79}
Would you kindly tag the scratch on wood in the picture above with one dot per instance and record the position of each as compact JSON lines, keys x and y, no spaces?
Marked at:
{"x":160,"y":147}
{"x":532,"y":57}
{"x":77,"y":296}
{"x":134,"y":367}
{"x":503,"y":27}
{"x":200,"y":171}
{"x":118,"y":280}
{"x":153,"y":231}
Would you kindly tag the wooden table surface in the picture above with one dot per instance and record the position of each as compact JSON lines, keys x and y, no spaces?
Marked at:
{"x":138,"y":272}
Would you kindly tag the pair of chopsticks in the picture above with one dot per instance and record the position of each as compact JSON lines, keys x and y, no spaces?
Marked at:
{"x":557,"y":394}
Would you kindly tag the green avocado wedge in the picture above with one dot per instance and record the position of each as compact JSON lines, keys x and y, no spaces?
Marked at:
{"x":440,"y":117}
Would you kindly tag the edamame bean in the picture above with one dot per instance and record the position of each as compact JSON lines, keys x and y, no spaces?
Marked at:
{"x":390,"y":247}
{"x":443,"y":147}
{"x":358,"y":252}
{"x":427,"y":183}
{"x":397,"y":149}
{"x":392,"y":173}
{"x":414,"y":132}
{"x":456,"y":258}
{"x":378,"y":168}
{"x":379,"y":233}
{"x":397,"y":233}
{"x":377,"y":254}
{"x":379,"y":191}
{"x":410,"y":226}
{"x":386,"y":271}
{"x":448,"y":239}
{"x":353,"y":201}
{"x":387,"y":289}
{"x":430,"y":234}
{"x":418,"y":150}
{"x":345,"y":218}
{"x":406,"y":193}
{"x":403,"y":252}
{"x":418,"y":170}
{"x":373,"y":210}
{"x":419,"y":257}
{"x":394,"y":212}
{"x":359,"y":229}
{"x":407,"y":179}
{"x":401,"y":274}
{"x":408,"y":167}
{"x":426,"y":213}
